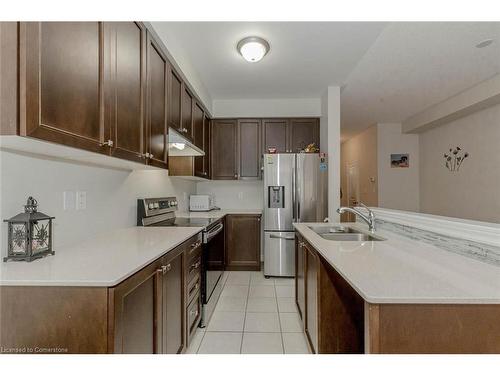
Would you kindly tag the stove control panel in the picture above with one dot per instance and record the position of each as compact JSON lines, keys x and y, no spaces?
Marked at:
{"x":148,"y":207}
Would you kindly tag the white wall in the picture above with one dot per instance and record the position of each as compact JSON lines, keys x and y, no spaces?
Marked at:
{"x":474,"y":191}
{"x":267,"y":107}
{"x":234,"y":194}
{"x":111,"y":194}
{"x":398,"y":188}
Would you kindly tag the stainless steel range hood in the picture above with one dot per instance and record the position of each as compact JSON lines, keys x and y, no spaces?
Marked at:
{"x":178,"y":145}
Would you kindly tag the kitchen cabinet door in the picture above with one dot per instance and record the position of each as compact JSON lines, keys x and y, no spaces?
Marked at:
{"x":198,"y":138}
{"x":223,"y":150}
{"x":175,"y":100}
{"x":275,"y":134}
{"x":300,"y":282}
{"x":249,"y":149}
{"x":311,"y":276}
{"x":206,"y":143}
{"x":156,"y":137}
{"x":173,"y":305}
{"x":187,"y":113}
{"x":243,"y":242}
{"x":302,"y":133}
{"x":136,"y":312}
{"x":61,"y":83}
{"x":126,"y":94}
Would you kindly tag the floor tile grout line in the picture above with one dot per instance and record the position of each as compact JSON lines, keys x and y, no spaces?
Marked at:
{"x":245,"y":318}
{"x":279,"y":319}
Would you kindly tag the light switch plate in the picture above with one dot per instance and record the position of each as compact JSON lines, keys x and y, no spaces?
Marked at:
{"x":81,"y":200}
{"x":69,"y":200}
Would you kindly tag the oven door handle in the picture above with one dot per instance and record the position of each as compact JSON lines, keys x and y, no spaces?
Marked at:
{"x":282,"y":237}
{"x":213,"y":232}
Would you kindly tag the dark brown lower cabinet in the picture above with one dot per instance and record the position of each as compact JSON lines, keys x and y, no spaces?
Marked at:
{"x":136,"y":320}
{"x":300,"y":291}
{"x":173,"y":305}
{"x":311,"y":289}
{"x":332,"y":312}
{"x":148,"y":312}
{"x":243,"y":242}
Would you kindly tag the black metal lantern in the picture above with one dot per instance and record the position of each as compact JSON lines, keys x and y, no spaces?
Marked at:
{"x":29,"y":234}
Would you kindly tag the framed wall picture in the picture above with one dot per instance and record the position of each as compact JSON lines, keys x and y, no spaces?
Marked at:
{"x":400,"y":160}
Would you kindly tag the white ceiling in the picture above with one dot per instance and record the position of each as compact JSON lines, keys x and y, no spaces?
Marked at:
{"x":412,"y":66}
{"x":305,"y":57}
{"x":389,"y":71}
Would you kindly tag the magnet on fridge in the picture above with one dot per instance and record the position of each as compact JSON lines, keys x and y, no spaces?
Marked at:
{"x":323,"y":167}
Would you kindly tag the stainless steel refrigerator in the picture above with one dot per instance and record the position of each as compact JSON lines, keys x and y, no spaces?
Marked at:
{"x":295,"y":190}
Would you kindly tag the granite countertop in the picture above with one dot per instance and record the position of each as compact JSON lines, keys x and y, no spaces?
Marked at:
{"x":104,"y":261}
{"x":402,"y":270}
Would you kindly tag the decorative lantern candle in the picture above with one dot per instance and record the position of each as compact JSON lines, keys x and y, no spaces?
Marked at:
{"x":29,"y":234}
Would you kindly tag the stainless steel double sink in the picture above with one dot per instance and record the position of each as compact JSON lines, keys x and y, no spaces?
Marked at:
{"x":340,"y":233}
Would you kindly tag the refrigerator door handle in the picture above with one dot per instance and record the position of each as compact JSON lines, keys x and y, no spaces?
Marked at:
{"x":282,"y":237}
{"x":293,"y":195}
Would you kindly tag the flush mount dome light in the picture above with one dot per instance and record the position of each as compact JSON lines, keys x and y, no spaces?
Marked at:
{"x":253,"y":48}
{"x":484,"y":43}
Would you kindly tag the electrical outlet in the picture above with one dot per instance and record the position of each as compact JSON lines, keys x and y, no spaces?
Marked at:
{"x":68,"y":200}
{"x":81,"y":200}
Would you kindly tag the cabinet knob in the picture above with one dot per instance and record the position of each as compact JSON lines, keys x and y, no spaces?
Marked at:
{"x":151,"y":156}
{"x":168,"y":267}
{"x":108,"y":143}
{"x":236,"y":175}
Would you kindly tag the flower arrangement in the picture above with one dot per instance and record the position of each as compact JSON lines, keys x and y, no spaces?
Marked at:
{"x":455,"y":158}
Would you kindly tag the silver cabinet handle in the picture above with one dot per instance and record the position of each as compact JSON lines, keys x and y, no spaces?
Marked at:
{"x":108,"y":143}
{"x":151,"y":156}
{"x":168,"y":267}
{"x":236,"y":175}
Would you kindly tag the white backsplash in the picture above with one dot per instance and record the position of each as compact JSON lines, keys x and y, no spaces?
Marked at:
{"x":111,"y":195}
{"x":234,"y":194}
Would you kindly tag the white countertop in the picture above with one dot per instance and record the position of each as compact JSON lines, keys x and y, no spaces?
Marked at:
{"x":104,"y":261}
{"x":401,"y":270}
{"x":217,"y":214}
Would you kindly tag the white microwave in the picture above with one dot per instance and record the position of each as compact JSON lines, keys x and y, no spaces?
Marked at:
{"x":204,"y":202}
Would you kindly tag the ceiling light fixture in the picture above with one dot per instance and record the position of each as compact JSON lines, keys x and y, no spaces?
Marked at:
{"x":253,"y":48}
{"x":484,"y":43}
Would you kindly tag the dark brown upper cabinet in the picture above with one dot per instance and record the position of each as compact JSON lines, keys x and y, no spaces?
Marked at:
{"x":249,"y":149}
{"x":157,"y":128}
{"x":243,"y":242}
{"x":198,"y":138}
{"x":187,"y":113}
{"x":61,"y":81}
{"x":303,"y":131}
{"x":290,"y":134}
{"x":224,"y":150}
{"x":275,"y":133}
{"x":175,"y":99}
{"x":125,"y":107}
{"x":206,"y":143}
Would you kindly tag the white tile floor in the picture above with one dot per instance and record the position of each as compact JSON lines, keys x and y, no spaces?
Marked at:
{"x":254,"y":315}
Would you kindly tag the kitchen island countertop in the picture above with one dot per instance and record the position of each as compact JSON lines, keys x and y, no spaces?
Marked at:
{"x":404,"y":271}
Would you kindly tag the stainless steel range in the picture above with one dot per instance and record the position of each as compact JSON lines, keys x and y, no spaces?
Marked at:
{"x":161,"y":212}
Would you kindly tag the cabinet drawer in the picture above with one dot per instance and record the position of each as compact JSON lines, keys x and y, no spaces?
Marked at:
{"x":193,"y":249}
{"x":193,"y":287}
{"x":194,"y":269}
{"x":193,"y":314}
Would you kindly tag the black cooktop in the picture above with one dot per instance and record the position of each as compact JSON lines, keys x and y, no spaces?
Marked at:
{"x":185,"y":222}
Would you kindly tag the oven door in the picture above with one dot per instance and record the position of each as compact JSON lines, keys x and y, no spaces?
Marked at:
{"x":213,"y":260}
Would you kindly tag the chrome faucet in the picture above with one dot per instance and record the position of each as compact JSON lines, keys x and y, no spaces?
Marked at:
{"x":369,"y":219}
